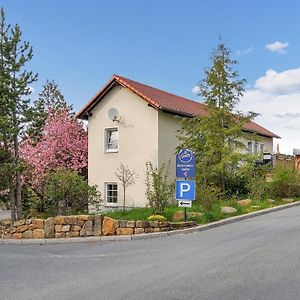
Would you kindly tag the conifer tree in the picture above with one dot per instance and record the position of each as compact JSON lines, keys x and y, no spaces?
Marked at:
{"x":217,"y":137}
{"x":50,"y":98}
{"x":14,"y":103}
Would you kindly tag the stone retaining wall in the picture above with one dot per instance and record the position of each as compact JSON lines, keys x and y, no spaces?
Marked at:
{"x":82,"y":226}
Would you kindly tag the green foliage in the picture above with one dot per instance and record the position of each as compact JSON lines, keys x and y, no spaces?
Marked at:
{"x":254,"y":177}
{"x":285,"y":183}
{"x":236,"y":185}
{"x":5,"y":169}
{"x":216,"y":137}
{"x":208,"y":216}
{"x":158,"y":189}
{"x":208,"y":196}
{"x":15,"y":83}
{"x":67,"y":191}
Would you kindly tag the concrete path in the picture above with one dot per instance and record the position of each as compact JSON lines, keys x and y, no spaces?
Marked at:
{"x":256,"y":258}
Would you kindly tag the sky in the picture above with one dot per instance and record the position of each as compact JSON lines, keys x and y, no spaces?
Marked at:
{"x":168,"y":44}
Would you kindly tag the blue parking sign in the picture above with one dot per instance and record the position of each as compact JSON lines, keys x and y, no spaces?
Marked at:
{"x":185,"y":190}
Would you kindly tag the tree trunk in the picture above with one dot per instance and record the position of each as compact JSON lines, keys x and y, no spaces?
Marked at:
{"x":20,"y":215}
{"x":62,"y":207}
{"x":18,"y":179}
{"x":124,"y":192}
{"x":12,"y":199}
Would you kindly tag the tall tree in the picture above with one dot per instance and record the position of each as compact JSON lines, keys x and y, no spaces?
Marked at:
{"x":15,"y":81}
{"x":217,"y":138}
{"x":50,"y":98}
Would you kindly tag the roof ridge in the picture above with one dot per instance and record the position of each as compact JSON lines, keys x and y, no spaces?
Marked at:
{"x":159,"y":90}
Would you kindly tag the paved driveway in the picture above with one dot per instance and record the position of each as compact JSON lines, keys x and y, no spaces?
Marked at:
{"x":256,"y":258}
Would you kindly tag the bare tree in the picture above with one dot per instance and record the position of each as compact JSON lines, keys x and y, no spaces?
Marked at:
{"x":127,"y":178}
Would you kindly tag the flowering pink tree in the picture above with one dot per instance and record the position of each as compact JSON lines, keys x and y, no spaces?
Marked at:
{"x":64,"y":145}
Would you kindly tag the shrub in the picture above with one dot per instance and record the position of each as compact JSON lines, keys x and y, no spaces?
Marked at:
{"x":67,"y":191}
{"x":285,"y":182}
{"x":156,"y":218}
{"x":254,"y":177}
{"x":158,"y":189}
{"x":258,"y":188}
{"x":236,"y":185}
{"x":208,"y":196}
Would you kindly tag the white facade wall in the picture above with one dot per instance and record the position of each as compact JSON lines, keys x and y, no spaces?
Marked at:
{"x":138,"y":142}
{"x":168,"y":126}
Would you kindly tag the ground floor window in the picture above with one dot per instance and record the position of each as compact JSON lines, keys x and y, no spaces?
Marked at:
{"x":111,"y":193}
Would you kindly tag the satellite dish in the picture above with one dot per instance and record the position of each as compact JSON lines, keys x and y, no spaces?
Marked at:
{"x":113,"y":114}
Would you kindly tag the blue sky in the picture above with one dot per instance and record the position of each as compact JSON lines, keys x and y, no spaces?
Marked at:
{"x":167,"y":44}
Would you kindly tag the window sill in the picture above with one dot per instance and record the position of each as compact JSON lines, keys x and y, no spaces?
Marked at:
{"x":111,"y":151}
{"x":111,"y":205}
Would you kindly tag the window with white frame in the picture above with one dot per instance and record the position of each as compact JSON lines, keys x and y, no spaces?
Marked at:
{"x":250,"y":149}
{"x":111,"y":139}
{"x":261,"y":148}
{"x":111,"y":193}
{"x":255,"y":147}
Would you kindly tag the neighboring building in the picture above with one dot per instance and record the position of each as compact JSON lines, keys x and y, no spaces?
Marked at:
{"x":132,"y":123}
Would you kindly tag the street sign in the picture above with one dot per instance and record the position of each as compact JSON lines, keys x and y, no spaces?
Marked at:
{"x":185,"y":164}
{"x":185,"y":190}
{"x":185,"y":203}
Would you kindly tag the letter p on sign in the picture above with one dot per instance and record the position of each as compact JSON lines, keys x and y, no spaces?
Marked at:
{"x":185,"y":190}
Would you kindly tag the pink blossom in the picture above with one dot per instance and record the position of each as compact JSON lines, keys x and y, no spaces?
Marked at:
{"x":64,"y":144}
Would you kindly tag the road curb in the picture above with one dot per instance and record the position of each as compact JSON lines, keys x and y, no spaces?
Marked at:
{"x":145,"y":236}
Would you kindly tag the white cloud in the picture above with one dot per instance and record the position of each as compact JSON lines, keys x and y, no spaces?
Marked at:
{"x":196,"y":89}
{"x":277,"y":47}
{"x":244,"y":52}
{"x":279,"y":112}
{"x":285,"y":82}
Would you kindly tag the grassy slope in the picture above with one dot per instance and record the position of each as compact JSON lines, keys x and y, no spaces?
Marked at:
{"x":214,"y":215}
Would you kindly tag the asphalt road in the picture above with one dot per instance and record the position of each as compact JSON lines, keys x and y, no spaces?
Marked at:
{"x":258,"y":258}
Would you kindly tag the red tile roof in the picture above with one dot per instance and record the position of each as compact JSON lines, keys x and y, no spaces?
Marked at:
{"x":164,"y":101}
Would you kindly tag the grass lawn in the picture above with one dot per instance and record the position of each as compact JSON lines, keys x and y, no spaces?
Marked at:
{"x":214,"y":215}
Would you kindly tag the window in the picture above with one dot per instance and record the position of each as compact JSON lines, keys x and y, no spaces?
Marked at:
{"x":250,"y":147}
{"x":111,"y":140}
{"x":262,"y":148}
{"x":255,"y":147}
{"x":111,"y":193}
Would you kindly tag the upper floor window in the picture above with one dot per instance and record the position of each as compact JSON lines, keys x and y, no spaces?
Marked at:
{"x":111,"y":140}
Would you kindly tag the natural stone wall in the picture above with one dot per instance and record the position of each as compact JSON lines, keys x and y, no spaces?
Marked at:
{"x":81,"y":226}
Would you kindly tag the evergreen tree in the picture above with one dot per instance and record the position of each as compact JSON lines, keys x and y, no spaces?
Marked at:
{"x":217,"y":137}
{"x":14,"y":103}
{"x":50,"y":98}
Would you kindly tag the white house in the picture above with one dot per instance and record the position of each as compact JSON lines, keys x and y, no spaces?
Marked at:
{"x":132,"y":123}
